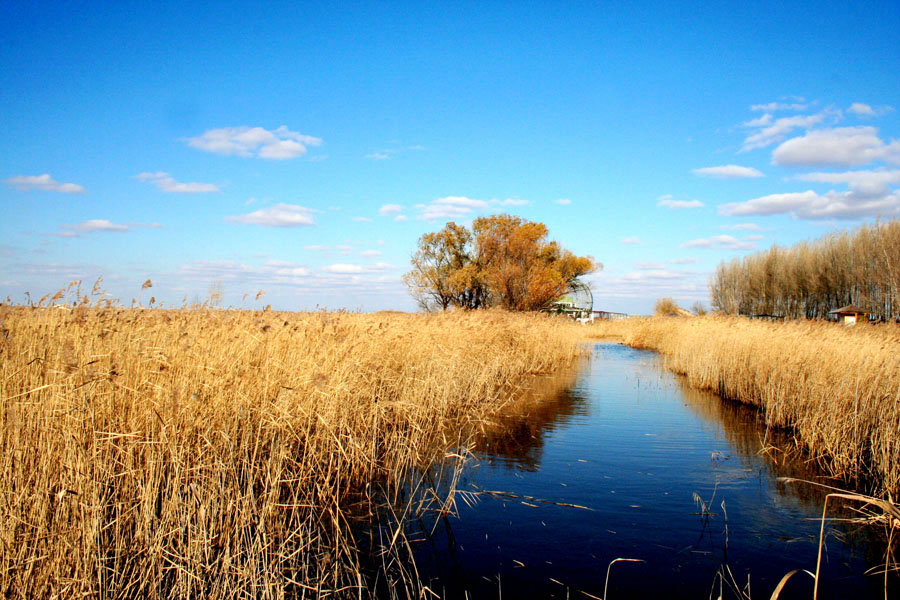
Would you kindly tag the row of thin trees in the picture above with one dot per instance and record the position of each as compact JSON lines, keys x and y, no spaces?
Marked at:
{"x":859,"y":267}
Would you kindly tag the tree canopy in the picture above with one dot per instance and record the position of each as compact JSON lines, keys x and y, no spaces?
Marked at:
{"x":502,"y":261}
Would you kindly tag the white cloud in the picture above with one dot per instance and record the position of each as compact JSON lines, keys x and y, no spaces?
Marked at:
{"x":657,"y":274}
{"x":860,"y":109}
{"x":344,"y":269}
{"x":865,"y":110}
{"x":841,"y":146}
{"x":668,"y":202}
{"x":648,"y":266}
{"x":772,"y":132}
{"x":44,"y":183}
{"x":378,"y":156}
{"x":727,"y":172}
{"x":401,"y":218}
{"x":862,"y":183}
{"x":743,"y":227}
{"x":564,"y":201}
{"x":513,"y":202}
{"x":316,"y":248}
{"x":451,"y":207}
{"x":280,"y":215}
{"x":98,"y":225}
{"x":810,"y":205}
{"x":371,"y":253}
{"x":278,"y":144}
{"x":166,"y":183}
{"x":773,"y":106}
{"x":689,"y":260}
{"x":631,"y":240}
{"x":273,"y":272}
{"x":345,"y":249}
{"x":283,"y":267}
{"x":390,"y":209}
{"x":753,"y":238}
{"x":720,"y":241}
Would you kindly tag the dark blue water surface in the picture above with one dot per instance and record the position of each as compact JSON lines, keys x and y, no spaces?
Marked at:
{"x":641,"y":450}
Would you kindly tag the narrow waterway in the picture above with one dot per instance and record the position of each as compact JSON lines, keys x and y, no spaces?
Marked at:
{"x":631,"y":463}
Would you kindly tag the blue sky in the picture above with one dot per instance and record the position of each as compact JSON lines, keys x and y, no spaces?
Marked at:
{"x":302,"y":149}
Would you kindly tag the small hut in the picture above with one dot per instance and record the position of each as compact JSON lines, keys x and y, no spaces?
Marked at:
{"x":848,"y":315}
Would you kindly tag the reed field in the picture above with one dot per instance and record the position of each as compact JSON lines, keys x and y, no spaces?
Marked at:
{"x":837,"y":388}
{"x":241,"y":454}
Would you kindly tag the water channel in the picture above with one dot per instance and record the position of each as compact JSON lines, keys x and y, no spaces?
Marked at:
{"x":630,"y":462}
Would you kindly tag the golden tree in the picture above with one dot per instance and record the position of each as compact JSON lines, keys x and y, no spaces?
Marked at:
{"x":504,"y":261}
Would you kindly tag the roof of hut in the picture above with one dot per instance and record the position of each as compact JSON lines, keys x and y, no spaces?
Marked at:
{"x":851,"y":309}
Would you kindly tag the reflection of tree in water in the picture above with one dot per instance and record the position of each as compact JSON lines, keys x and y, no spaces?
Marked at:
{"x":389,"y":529}
{"x":516,"y":435}
{"x":776,"y":450}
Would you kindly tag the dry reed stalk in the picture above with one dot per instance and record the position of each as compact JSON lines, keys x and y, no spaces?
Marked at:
{"x":222,"y":454}
{"x":837,"y":388}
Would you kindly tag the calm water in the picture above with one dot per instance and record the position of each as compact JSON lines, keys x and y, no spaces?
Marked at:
{"x":637,"y":446}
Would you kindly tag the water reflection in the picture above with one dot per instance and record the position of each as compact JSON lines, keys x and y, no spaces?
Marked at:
{"x":514,"y":438}
{"x":672,"y":475}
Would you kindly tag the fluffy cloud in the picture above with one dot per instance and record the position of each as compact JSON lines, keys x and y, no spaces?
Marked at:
{"x":810,"y":205}
{"x":280,"y":215}
{"x":772,"y":131}
{"x":166,"y":183}
{"x":564,"y":201}
{"x":773,"y":106}
{"x":344,"y":269}
{"x":98,"y":225}
{"x":273,"y":272}
{"x":689,"y":260}
{"x":727,"y":172}
{"x":669,"y":202}
{"x":451,"y":207}
{"x":864,"y":110}
{"x":743,"y":227}
{"x":657,"y":274}
{"x":841,"y":146}
{"x":278,"y":144}
{"x":371,"y":253}
{"x":351,"y":269}
{"x":390,"y":209}
{"x":633,"y":240}
{"x":861,"y":183}
{"x":728,"y":242}
{"x":44,"y":183}
{"x":512,"y":202}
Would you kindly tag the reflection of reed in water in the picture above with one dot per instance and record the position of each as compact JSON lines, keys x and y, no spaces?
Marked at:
{"x":390,"y":532}
{"x":516,"y":433}
{"x":745,"y":430}
{"x":776,"y":449}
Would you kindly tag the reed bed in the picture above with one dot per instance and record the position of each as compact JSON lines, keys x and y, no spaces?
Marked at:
{"x":231,"y":454}
{"x":836,"y":387}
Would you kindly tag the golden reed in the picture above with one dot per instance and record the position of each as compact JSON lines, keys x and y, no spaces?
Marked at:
{"x":836,"y":387}
{"x":224,"y":454}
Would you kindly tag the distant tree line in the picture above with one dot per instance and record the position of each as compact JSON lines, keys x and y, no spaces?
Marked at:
{"x":502,"y":261}
{"x":860,"y":267}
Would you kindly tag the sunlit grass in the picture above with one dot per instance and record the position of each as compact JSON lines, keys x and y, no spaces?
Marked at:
{"x":225,"y":454}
